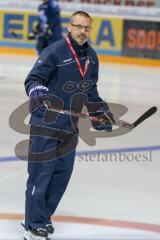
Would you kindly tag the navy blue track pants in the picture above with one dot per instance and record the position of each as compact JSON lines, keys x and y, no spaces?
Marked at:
{"x":46,"y":183}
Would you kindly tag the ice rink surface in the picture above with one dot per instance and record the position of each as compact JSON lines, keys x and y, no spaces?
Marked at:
{"x":114,"y":192}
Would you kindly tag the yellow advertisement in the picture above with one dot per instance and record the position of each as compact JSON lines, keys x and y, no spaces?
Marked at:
{"x":106,"y":35}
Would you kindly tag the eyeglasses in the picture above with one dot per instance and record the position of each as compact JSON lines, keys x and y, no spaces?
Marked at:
{"x":80,"y":27}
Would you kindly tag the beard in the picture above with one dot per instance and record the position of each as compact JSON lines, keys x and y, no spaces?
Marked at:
{"x":81,"y":39}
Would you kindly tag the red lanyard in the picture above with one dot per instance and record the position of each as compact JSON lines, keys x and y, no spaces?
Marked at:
{"x":83,"y":73}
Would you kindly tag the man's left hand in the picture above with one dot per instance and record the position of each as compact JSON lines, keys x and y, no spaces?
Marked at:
{"x":106,"y":120}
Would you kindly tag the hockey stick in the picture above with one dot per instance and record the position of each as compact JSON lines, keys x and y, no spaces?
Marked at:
{"x":119,"y":123}
{"x":35,"y":32}
{"x":30,"y":35}
{"x":15,"y":35}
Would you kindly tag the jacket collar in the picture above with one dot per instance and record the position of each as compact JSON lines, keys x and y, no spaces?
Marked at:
{"x":80,"y":50}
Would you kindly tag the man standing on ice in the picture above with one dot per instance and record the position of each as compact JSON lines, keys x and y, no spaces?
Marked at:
{"x":65,"y":75}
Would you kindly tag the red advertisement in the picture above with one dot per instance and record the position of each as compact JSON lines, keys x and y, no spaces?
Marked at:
{"x":141,"y":39}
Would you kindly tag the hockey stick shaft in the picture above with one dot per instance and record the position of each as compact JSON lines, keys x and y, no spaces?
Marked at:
{"x":15,"y":35}
{"x":119,"y":123}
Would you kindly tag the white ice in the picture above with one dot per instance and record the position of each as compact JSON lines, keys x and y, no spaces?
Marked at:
{"x":101,"y":188}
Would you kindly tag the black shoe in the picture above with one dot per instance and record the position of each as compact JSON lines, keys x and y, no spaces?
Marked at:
{"x":36,"y":234}
{"x":50,"y":228}
{"x":39,"y":232}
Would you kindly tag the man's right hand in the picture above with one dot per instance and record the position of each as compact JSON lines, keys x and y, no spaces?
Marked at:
{"x":37,"y":95}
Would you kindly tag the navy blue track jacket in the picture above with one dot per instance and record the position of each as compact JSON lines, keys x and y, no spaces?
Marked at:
{"x":57,"y":69}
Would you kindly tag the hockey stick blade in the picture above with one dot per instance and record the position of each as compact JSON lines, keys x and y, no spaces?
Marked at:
{"x":146,"y":115}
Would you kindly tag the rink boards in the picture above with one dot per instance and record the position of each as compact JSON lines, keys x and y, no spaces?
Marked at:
{"x":113,"y":38}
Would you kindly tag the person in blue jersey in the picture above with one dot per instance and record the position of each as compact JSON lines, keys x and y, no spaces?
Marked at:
{"x":49,"y":28}
{"x":65,"y":76}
